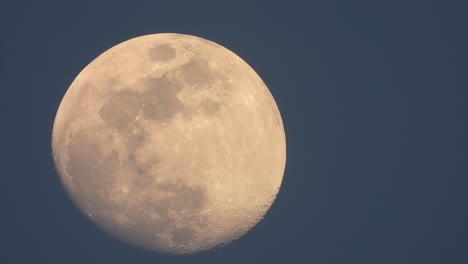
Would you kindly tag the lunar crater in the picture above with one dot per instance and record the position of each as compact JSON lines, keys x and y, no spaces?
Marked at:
{"x":197,"y":72}
{"x":120,"y":109}
{"x":145,"y":173}
{"x":162,"y":52}
{"x":159,"y":100}
{"x":210,"y":106}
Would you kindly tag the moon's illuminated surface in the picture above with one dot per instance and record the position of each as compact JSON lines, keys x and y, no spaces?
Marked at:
{"x":170,"y":142}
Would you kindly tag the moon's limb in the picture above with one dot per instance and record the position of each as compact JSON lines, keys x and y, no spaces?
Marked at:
{"x":170,"y":142}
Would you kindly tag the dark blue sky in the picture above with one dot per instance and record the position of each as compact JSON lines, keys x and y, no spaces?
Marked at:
{"x":373,"y":97}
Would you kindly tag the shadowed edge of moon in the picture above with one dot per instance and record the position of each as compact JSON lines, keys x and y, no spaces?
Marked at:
{"x":152,"y":226}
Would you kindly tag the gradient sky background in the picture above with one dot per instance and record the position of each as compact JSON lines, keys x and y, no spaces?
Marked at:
{"x":372,"y":94}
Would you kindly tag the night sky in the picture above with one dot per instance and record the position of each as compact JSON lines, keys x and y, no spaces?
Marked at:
{"x":373,"y":99}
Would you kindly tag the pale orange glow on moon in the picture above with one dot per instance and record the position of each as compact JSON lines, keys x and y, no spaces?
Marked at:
{"x":170,"y":142}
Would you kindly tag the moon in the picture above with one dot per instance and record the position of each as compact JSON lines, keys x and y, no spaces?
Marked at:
{"x":171,"y":143}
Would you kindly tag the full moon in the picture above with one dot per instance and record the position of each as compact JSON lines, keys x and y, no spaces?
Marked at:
{"x":170,"y":142}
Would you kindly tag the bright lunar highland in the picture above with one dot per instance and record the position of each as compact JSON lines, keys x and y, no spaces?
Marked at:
{"x":170,"y":142}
